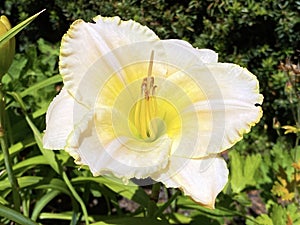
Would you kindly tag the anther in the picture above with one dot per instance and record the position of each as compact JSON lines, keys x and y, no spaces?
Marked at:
{"x":153,"y":90}
{"x":148,"y":86}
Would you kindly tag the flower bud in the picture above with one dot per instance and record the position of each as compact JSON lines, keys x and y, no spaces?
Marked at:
{"x":7,"y":51}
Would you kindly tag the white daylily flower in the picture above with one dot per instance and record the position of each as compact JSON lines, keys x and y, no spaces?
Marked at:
{"x":137,"y":106}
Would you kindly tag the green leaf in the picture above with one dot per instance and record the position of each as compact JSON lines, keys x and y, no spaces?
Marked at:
{"x":33,"y":90}
{"x":77,"y":197}
{"x":243,"y":170}
{"x":182,"y":218}
{"x":58,"y":187}
{"x":30,"y":162}
{"x":15,"y":70}
{"x":251,"y":167}
{"x":59,"y":216}
{"x":12,"y":32}
{"x":52,"y":80}
{"x":15,"y":216}
{"x":236,"y":169}
{"x":24,"y":181}
{"x":50,"y":155}
{"x":129,"y":191}
{"x":42,"y":202}
{"x":3,"y":201}
{"x":44,"y":107}
{"x":264,"y":219}
{"x":282,"y":159}
{"x":55,"y":184}
{"x":278,"y":215}
{"x":13,"y":150}
{"x":187,"y":203}
{"x":130,"y":221}
{"x":293,"y":213}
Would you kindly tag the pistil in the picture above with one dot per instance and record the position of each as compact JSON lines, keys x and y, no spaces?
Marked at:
{"x":145,"y":109}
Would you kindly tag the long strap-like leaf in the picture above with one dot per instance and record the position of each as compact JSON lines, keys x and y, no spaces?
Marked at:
{"x":15,"y":216}
{"x":16,"y":29}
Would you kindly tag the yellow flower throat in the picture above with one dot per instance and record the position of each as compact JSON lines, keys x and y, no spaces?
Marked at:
{"x":153,"y":116}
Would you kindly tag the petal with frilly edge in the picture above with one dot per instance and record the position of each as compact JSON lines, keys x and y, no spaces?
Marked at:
{"x":224,"y":109}
{"x":188,"y":55}
{"x":85,"y":43}
{"x":201,"y":179}
{"x":61,"y":119}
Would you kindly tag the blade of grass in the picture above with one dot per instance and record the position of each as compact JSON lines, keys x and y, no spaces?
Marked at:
{"x":7,"y":158}
{"x":49,"y":155}
{"x":13,"y":150}
{"x":162,"y":208}
{"x":42,"y":202}
{"x":60,"y":186}
{"x":24,"y":182}
{"x":56,"y":184}
{"x":16,"y":29}
{"x":129,"y":191}
{"x":15,"y":216}
{"x":60,"y":216}
{"x":130,"y":220}
{"x":52,"y":80}
{"x":77,"y":197}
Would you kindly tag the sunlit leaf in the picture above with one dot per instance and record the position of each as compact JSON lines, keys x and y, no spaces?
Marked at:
{"x":130,"y":220}
{"x":15,"y":216}
{"x":278,"y":215}
{"x":264,"y":219}
{"x":243,"y":170}
{"x":12,"y":32}
{"x":49,"y":81}
{"x":14,"y":149}
{"x":280,"y":189}
{"x":24,"y":181}
{"x":42,"y":202}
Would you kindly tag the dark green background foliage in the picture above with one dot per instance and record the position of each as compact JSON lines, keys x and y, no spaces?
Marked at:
{"x":254,"y":34}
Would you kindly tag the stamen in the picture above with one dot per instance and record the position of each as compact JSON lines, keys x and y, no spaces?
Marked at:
{"x":153,"y":90}
{"x":146,"y":108}
{"x":144,"y":86}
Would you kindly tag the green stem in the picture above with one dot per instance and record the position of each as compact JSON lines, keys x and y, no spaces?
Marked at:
{"x":76,"y":196}
{"x":7,"y":159}
{"x":15,"y":216}
{"x":152,"y":206}
{"x":155,"y":192}
{"x":167,"y":204}
{"x":297,"y":198}
{"x":296,"y":191}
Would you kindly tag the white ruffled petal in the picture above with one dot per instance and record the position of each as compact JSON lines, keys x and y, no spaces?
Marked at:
{"x":201,"y":179}
{"x":62,"y":115}
{"x":182,"y":54}
{"x":126,"y":157}
{"x":85,"y":43}
{"x":224,"y":107}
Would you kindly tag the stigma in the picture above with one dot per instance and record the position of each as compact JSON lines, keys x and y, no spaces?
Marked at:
{"x":148,"y":87}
